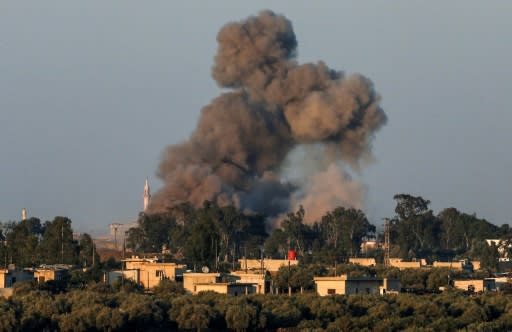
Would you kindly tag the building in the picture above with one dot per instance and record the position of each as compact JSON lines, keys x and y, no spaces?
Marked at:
{"x":369,"y":244}
{"x":114,"y":276}
{"x":259,"y":280}
{"x":148,"y":272}
{"x":191,"y":279}
{"x":362,"y":261}
{"x":50,"y":272}
{"x":10,"y":276}
{"x":397,"y":262}
{"x":231,"y":288}
{"x":476,"y":265}
{"x":459,"y":265}
{"x":475,"y":285}
{"x":345,"y":285}
{"x":271,"y":265}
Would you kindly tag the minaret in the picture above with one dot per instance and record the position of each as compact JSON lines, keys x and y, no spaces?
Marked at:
{"x":147,"y":195}
{"x":23,"y":214}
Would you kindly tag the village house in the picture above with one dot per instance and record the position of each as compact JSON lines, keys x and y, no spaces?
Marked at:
{"x":10,"y":276}
{"x":46,"y":273}
{"x":362,"y":261}
{"x":271,"y":265}
{"x":259,"y":280}
{"x":475,"y":285}
{"x":148,"y":272}
{"x":459,"y":265}
{"x":399,"y":263}
{"x":345,"y":285}
{"x":231,"y":288}
{"x":191,"y":279}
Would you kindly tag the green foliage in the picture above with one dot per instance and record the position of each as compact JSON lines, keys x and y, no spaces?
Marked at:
{"x":57,"y":245}
{"x":88,"y":310}
{"x":343,"y":229}
{"x":241,"y":317}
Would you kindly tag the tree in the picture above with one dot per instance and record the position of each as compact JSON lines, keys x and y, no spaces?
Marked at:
{"x":241,"y":317}
{"x":276,"y":244}
{"x":343,"y":230}
{"x":230,"y":223}
{"x":415,"y":229}
{"x":196,"y":316}
{"x":57,"y":245}
{"x":295,"y":229}
{"x":22,"y":241}
{"x":87,"y":255}
{"x":410,"y":206}
{"x":201,"y":246}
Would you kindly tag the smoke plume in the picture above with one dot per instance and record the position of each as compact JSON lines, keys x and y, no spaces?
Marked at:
{"x":238,"y":152}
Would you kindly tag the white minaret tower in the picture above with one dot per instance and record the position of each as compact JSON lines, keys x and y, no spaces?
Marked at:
{"x":23,"y":214}
{"x":147,"y":195}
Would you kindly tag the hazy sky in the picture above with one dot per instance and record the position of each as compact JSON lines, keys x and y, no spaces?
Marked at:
{"x":92,"y":91}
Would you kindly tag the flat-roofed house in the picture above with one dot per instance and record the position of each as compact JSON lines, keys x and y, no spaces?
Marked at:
{"x":345,"y":285}
{"x":50,"y":272}
{"x":399,"y":263}
{"x":116,"y":275}
{"x":271,"y":265}
{"x":191,"y":279}
{"x":458,"y":265}
{"x":362,"y":261}
{"x":149,"y":271}
{"x":8,"y":277}
{"x":231,"y":288}
{"x":259,"y":280}
{"x":475,"y":285}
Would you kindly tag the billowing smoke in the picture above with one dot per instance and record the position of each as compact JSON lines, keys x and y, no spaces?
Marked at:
{"x":238,"y":154}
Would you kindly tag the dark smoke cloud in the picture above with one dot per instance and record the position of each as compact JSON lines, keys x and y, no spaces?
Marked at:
{"x":236,"y":153}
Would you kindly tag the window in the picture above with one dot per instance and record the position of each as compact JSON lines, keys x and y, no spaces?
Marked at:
{"x":331,"y":291}
{"x":159,"y":273}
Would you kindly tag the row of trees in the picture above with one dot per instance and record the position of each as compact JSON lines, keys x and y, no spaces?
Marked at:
{"x":217,"y":236}
{"x":31,"y":243}
{"x":416,"y":232}
{"x":214,"y":236}
{"x":100,"y":308}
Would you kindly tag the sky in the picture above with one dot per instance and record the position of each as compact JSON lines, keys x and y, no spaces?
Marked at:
{"x":91,"y":92}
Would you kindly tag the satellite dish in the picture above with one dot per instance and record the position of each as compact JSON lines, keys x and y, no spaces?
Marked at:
{"x":205,"y":269}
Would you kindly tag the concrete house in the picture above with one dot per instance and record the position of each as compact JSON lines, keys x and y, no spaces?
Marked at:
{"x":362,"y":261}
{"x":271,"y":265}
{"x":259,"y":280}
{"x":8,"y":277}
{"x":345,"y":285}
{"x":191,"y":279}
{"x":50,"y":272}
{"x":231,"y":288}
{"x":399,"y":263}
{"x":148,"y":272}
{"x":475,"y":285}
{"x":459,"y":265}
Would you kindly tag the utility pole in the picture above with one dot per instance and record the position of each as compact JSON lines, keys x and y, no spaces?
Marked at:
{"x":62,"y":243}
{"x":93,"y":253}
{"x":387,"y":241}
{"x":115,"y":227}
